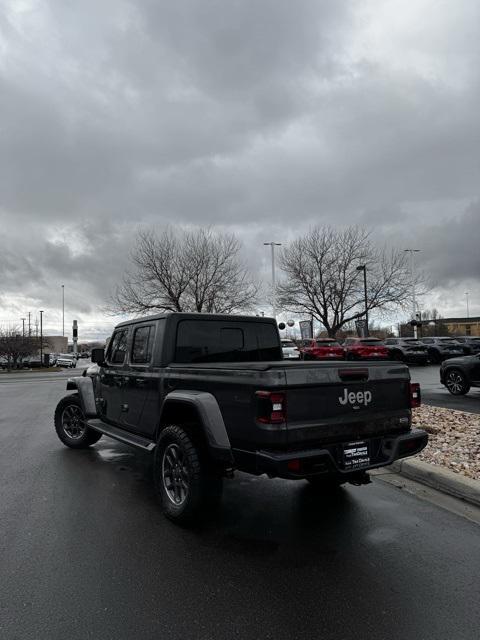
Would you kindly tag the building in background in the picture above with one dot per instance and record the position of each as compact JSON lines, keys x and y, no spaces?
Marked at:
{"x":56,"y":344}
{"x":463,"y":326}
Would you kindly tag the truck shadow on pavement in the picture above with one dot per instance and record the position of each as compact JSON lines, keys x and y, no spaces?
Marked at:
{"x":257,"y":516}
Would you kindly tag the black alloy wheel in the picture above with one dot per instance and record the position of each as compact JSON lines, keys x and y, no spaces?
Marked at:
{"x":187,"y":482}
{"x":456,"y":382}
{"x":71,"y":426}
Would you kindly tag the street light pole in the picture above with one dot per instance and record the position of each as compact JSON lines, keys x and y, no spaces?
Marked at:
{"x":468,"y":310}
{"x":63,"y":310}
{"x":273,"y":245}
{"x":412,"y":275}
{"x":23,"y":327}
{"x":41,"y":338}
{"x":363,"y":268}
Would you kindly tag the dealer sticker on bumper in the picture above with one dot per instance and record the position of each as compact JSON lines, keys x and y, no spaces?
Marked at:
{"x":355,"y":455}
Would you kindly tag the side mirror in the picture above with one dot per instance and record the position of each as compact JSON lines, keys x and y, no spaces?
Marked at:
{"x":98,"y":356}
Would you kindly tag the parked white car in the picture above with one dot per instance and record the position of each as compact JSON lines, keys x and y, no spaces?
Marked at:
{"x":289,"y":349}
{"x":66,"y":360}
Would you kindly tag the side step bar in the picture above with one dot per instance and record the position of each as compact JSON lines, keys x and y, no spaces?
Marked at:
{"x":121,"y":435}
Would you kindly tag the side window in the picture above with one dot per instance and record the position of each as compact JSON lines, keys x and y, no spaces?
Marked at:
{"x":117,"y":347}
{"x":142,"y":345}
{"x":391,"y":341}
{"x":427,"y":340}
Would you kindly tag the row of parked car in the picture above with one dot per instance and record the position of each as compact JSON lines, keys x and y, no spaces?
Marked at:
{"x":68,"y":360}
{"x":410,"y":350}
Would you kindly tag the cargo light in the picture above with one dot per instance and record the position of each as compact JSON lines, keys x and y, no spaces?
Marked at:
{"x":415,"y":395}
{"x":271,"y":407}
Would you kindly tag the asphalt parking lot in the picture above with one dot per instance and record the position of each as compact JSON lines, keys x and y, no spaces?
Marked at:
{"x":86,"y":553}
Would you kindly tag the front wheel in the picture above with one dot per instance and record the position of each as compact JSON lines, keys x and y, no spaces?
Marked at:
{"x":456,"y":382}
{"x":71,"y":426}
{"x":186,"y":481}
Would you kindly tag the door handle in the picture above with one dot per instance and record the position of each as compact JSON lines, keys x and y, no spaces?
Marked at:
{"x":140,"y":382}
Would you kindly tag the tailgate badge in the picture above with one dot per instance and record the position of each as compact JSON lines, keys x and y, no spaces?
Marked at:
{"x":355,"y":399}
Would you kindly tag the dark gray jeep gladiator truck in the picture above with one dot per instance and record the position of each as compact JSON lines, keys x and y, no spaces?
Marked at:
{"x":211,"y":394}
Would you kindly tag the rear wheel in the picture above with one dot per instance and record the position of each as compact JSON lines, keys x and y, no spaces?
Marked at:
{"x":434,"y":357}
{"x":71,"y":426}
{"x":187,"y":483}
{"x":456,"y":382}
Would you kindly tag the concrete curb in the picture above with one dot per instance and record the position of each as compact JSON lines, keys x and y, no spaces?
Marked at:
{"x":440,"y":479}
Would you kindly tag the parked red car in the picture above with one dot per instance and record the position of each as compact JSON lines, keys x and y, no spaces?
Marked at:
{"x":365,"y":349}
{"x":321,"y":349}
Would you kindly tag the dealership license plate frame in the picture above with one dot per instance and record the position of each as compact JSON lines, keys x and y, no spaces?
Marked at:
{"x":356,"y":455}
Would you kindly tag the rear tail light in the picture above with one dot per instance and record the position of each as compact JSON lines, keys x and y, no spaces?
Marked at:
{"x":415,"y":395}
{"x":271,"y":407}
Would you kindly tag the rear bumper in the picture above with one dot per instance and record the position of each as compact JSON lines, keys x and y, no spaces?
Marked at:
{"x":328,"y":461}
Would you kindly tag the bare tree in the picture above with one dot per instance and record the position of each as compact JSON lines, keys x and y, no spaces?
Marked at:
{"x":187,"y":270}
{"x":15,"y":347}
{"x":322,"y":279}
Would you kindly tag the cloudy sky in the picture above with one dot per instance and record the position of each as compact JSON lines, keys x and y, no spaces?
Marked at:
{"x":260,"y":116}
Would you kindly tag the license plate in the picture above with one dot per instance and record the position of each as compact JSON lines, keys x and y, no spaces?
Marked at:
{"x":356,"y":455}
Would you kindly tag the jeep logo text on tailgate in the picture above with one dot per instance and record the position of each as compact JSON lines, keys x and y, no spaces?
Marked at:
{"x":355,"y":398}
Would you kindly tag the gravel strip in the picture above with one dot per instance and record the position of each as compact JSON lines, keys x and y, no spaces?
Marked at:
{"x":454,"y":439}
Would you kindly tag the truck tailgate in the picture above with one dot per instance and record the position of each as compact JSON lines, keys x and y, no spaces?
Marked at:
{"x":346,"y":402}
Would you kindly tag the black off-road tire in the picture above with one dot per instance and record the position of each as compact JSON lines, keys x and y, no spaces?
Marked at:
{"x":187,"y":482}
{"x":70,"y":424}
{"x":456,"y":382}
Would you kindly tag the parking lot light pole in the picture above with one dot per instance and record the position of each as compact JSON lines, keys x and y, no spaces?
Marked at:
{"x":363,"y":267}
{"x":63,"y":310}
{"x":468,"y":310}
{"x":41,"y":338}
{"x":23,"y":327}
{"x":274,"y":305}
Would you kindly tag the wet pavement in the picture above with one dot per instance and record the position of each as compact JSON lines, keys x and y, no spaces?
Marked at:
{"x":86,"y":553}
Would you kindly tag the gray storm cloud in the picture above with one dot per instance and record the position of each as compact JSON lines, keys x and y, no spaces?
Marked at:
{"x":261,"y":117}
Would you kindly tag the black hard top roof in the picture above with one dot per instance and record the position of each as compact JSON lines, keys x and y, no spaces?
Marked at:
{"x":193,"y":316}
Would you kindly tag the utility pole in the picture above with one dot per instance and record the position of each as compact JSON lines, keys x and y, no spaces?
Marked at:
{"x":412,"y":275}
{"x":63,"y":310}
{"x":274,"y":305}
{"x":468,"y":310}
{"x":41,"y":338}
{"x":29,"y":325}
{"x":23,"y":327}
